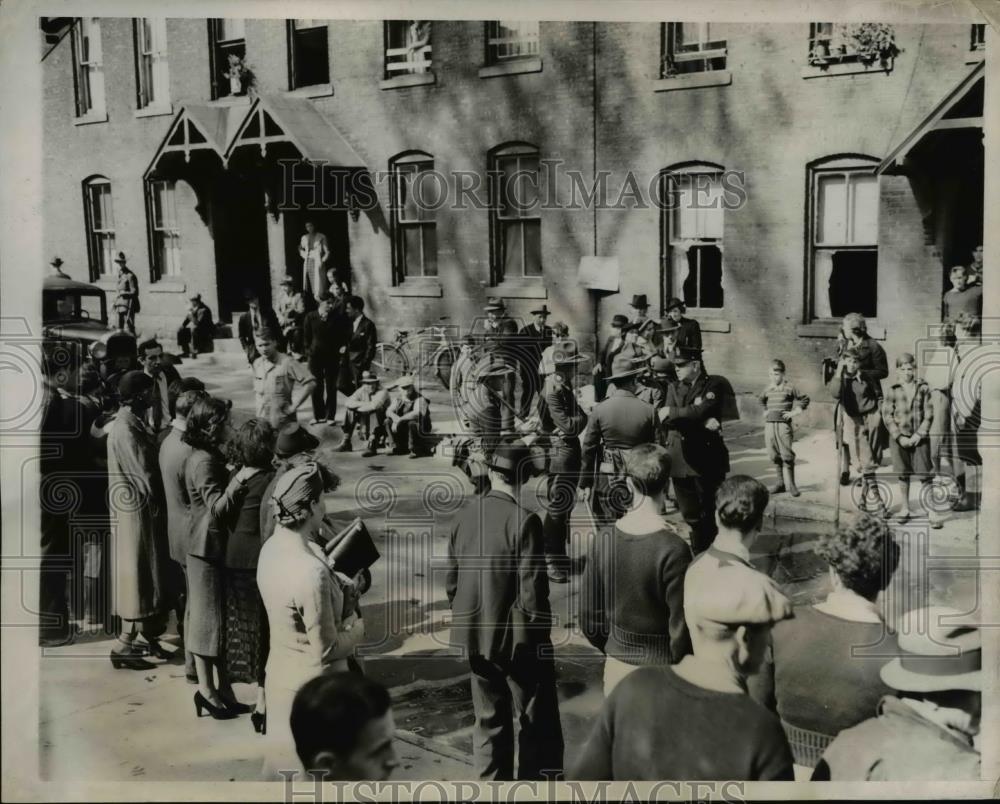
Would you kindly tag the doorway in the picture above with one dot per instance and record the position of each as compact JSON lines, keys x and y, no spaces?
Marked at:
{"x":239,"y":228}
{"x":332,"y":223}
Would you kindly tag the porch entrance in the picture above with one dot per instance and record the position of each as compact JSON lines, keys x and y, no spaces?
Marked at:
{"x":239,"y":229}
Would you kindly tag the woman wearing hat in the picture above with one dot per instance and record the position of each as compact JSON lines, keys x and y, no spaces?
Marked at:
{"x":126,"y":302}
{"x":311,"y":610}
{"x":293,"y":447}
{"x":688,"y":330}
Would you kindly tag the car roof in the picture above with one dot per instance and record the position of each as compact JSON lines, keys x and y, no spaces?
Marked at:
{"x":62,"y":282}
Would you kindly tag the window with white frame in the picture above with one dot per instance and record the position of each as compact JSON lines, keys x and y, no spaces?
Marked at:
{"x":100,"y":220}
{"x":690,"y":47}
{"x":831,"y":43}
{"x":692,"y":224}
{"x":515,"y":216}
{"x":164,"y":232}
{"x":978,"y":38}
{"x":414,"y":229}
{"x":843,"y":237}
{"x":152,"y":78}
{"x":407,"y":47}
{"x":308,"y":53}
{"x":88,"y":71}
{"x":227,"y":56}
{"x":511,"y":39}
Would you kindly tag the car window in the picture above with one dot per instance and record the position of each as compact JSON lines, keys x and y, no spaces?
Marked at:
{"x":91,"y":305}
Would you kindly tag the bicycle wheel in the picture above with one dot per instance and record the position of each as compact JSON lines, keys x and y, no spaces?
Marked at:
{"x":443,"y":361}
{"x":390,"y":362}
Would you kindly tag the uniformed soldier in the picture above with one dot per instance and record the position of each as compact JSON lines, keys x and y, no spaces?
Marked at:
{"x":562,"y":420}
{"x":482,"y":415}
{"x":699,"y":461}
{"x":617,"y":424}
{"x":501,"y":619}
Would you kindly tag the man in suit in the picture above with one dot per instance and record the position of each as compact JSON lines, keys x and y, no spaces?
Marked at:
{"x":617,"y":424}
{"x":324,"y":335}
{"x":693,"y":415}
{"x":500,"y":339}
{"x":562,"y":422}
{"x":197,"y":330}
{"x":501,"y":619}
{"x":645,"y":326}
{"x":534,"y":338}
{"x":158,"y":412}
{"x":689,"y":332}
{"x":253,"y":320}
{"x":360,"y":348}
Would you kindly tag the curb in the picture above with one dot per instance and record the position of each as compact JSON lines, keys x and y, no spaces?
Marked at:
{"x":433,"y":746}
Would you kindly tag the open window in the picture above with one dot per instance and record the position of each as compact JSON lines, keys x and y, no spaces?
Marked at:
{"x":308,"y":53}
{"x":227,"y":56}
{"x":407,"y":47}
{"x":99,"y":215}
{"x":690,"y":47}
{"x":88,"y":69}
{"x":692,"y":228}
{"x":515,"y":215}
{"x":843,"y":237}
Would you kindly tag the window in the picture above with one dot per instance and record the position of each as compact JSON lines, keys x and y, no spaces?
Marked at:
{"x":515,"y":219}
{"x":843,"y":237}
{"x":308,"y":55}
{"x":507,"y":40}
{"x":692,"y":219}
{"x":227,"y":54}
{"x":164,"y":233}
{"x":100,"y":218}
{"x":88,"y":73}
{"x":152,"y":80}
{"x":688,"y":47}
{"x":978,"y":38}
{"x":407,"y":47}
{"x":414,"y":231}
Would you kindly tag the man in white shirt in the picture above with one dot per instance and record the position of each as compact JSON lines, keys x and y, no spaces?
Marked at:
{"x":314,"y":251}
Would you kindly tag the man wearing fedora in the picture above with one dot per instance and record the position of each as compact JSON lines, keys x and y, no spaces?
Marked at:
{"x":688,"y":330}
{"x":534,"y":338}
{"x":644,"y":325}
{"x":501,"y":620}
{"x":562,"y":420}
{"x":408,"y":420}
{"x":699,"y":461}
{"x":197,"y":329}
{"x":126,"y":301}
{"x":370,"y":399}
{"x":928,"y":732}
{"x":500,"y":333}
{"x":612,"y":346}
{"x":617,"y":424}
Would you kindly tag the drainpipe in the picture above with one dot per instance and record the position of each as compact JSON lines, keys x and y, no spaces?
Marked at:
{"x":593,"y":62}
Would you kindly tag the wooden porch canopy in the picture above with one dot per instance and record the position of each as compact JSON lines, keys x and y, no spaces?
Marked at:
{"x":199,"y":128}
{"x":962,"y":108}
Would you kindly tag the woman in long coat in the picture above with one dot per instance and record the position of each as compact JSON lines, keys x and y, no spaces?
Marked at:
{"x":138,"y":525}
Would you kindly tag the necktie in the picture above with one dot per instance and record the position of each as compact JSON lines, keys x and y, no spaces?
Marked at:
{"x":157,"y":405}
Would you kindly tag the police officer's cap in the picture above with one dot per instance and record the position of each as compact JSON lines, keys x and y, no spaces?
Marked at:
{"x":686,"y":354}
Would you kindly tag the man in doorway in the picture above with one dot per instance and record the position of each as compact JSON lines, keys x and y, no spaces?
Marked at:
{"x":964,"y":297}
{"x":975,"y":268}
{"x":197,"y":330}
{"x":126,"y":302}
{"x":314,"y":251}
{"x":534,"y":338}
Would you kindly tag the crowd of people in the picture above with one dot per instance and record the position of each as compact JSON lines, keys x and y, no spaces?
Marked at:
{"x":710,"y":671}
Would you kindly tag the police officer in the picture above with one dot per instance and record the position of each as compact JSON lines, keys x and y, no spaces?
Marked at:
{"x":562,"y":420}
{"x":699,"y":461}
{"x":617,"y":424}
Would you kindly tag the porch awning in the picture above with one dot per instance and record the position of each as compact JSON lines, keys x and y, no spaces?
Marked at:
{"x":281,"y":119}
{"x":960,"y":108}
{"x":200,"y":127}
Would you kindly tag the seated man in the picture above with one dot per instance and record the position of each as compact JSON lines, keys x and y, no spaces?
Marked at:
{"x":343,"y":728}
{"x":370,"y":398}
{"x":409,"y":420}
{"x":197,"y":330}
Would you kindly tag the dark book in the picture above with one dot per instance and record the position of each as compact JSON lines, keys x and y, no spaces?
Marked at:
{"x":352,"y":549}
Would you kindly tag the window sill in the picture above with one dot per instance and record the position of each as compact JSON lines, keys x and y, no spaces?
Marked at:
{"x":712,"y":78}
{"x":423,"y":287}
{"x":975,"y":56}
{"x":845,"y":68}
{"x":87,"y":119}
{"x":230,"y":100}
{"x":168,"y":286}
{"x":710,"y":324}
{"x":532,"y":64}
{"x":154,"y":111}
{"x":400,"y":81}
{"x":830,"y":328}
{"x":521,"y":289}
{"x":312,"y":91}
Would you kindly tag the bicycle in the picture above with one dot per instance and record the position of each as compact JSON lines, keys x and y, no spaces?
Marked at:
{"x":436,"y":348}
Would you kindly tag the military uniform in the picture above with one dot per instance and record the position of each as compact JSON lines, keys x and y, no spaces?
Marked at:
{"x":699,"y":460}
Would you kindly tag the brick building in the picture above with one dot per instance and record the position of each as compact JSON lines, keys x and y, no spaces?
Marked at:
{"x":858,"y":175}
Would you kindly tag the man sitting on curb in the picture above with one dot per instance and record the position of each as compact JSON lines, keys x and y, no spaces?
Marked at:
{"x":370,"y":399}
{"x":409,"y":420}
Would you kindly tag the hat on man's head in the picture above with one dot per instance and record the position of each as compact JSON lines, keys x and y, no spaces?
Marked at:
{"x":56,"y":263}
{"x":294,"y":439}
{"x":661,"y":365}
{"x":120,"y":257}
{"x":623,"y":367}
{"x":133,"y":383}
{"x":736,"y":595}
{"x":668,"y":325}
{"x":543,"y":310}
{"x":494,"y":306}
{"x":676,"y":303}
{"x":686,"y":354}
{"x":194,"y":297}
{"x":368,"y":378}
{"x":936,"y":653}
{"x":639,"y":301}
{"x":619,"y":320}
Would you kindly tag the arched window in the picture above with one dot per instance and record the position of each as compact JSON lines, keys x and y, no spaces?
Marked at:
{"x":99,"y":215}
{"x":515,"y":217}
{"x":414,"y":194}
{"x":842,"y":254}
{"x":692,"y":225}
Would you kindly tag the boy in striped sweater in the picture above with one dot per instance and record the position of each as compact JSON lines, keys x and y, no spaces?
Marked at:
{"x":782,"y":402}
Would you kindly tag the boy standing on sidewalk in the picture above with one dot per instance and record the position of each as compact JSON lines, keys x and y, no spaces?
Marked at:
{"x":908,"y":414}
{"x":782,"y":402}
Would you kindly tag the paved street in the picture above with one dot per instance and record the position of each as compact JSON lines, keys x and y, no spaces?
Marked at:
{"x":408,"y":505}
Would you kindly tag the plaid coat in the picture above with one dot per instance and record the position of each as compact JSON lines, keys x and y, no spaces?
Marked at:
{"x":905,"y":418}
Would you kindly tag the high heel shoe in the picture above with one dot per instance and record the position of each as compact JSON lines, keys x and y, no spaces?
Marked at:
{"x":130,"y":661}
{"x":235,"y":706}
{"x":259,"y":721}
{"x":217,"y":712}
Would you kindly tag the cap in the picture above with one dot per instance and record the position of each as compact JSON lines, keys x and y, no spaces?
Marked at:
{"x":623,"y":367}
{"x":294,"y":439}
{"x":936,"y":653}
{"x":619,"y":321}
{"x":660,"y":365}
{"x":508,"y":455}
{"x":194,"y":297}
{"x":120,"y":257}
{"x":737,"y":595}
{"x":368,"y":377}
{"x":134,"y":382}
{"x":296,"y":490}
{"x":639,"y":302}
{"x":676,"y":303}
{"x":686,"y":354}
{"x":543,"y":310}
